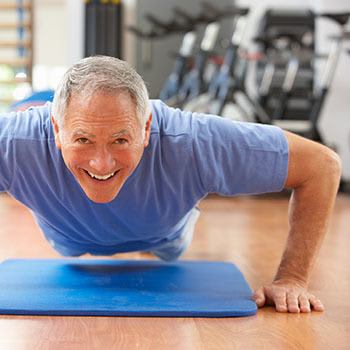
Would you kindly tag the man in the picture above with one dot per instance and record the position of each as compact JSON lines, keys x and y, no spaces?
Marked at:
{"x":105,"y":170}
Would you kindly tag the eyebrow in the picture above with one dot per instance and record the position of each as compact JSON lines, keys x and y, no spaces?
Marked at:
{"x":121,"y":133}
{"x":117,"y":134}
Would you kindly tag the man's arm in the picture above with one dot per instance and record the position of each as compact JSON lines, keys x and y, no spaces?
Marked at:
{"x":314,"y":173}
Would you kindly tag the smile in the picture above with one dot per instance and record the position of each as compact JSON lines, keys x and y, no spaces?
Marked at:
{"x":101,"y":177}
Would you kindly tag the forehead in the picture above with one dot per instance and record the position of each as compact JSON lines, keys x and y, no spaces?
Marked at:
{"x":101,"y":110}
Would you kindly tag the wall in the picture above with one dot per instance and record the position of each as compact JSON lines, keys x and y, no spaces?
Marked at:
{"x":50,"y":42}
{"x":59,"y":39}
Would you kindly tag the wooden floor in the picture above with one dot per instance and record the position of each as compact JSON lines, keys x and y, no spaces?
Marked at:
{"x":247,"y":231}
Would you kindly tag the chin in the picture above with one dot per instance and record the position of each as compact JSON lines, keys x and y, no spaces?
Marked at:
{"x":101,"y":193}
{"x":101,"y":200}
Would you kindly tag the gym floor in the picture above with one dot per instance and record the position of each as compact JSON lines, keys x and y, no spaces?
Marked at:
{"x":249,"y":232}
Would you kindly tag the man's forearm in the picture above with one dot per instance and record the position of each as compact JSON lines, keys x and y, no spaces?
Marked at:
{"x":313,"y":173}
{"x":310,"y":211}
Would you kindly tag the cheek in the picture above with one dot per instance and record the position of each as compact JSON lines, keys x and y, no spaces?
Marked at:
{"x":129,"y":157}
{"x":126,"y":157}
{"x":73,"y":156}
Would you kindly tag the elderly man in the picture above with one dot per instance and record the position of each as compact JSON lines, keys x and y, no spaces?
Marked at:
{"x":105,"y":170}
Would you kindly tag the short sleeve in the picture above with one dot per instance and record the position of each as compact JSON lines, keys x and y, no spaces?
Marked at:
{"x":239,"y":158}
{"x":6,"y":155}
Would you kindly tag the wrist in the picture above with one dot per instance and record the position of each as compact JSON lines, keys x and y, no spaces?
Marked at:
{"x":290,"y":279}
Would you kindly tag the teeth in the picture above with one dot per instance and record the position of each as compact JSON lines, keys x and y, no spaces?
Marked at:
{"x":99,"y":177}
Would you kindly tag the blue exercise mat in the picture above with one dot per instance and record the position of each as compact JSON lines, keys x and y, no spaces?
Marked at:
{"x":123,"y":288}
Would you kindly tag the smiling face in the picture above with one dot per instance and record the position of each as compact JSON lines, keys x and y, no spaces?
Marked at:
{"x":102,"y":142}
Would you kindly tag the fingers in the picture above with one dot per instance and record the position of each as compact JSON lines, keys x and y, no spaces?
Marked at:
{"x":316,"y":303}
{"x":293,"y":300}
{"x":259,"y":297}
{"x":304,"y":304}
{"x":298,"y":303}
{"x":280,"y":300}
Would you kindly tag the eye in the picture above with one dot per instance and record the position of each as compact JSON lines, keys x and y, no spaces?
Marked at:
{"x":83,"y":140}
{"x":121,"y":141}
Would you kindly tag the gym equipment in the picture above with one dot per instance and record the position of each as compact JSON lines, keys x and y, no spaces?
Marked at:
{"x":300,"y":56}
{"x":271,"y":57}
{"x":334,"y":128}
{"x":227,"y":81}
{"x":193,"y":82}
{"x":226,"y":95}
{"x":154,"y":57}
{"x":286,"y":82}
{"x":341,"y":19}
{"x":161,"y":29}
{"x":228,"y":67}
{"x":174,"y":81}
{"x":277,"y":49}
{"x":103,"y":22}
{"x":221,"y":80}
{"x":287,"y":95}
{"x":91,"y":9}
{"x":178,"y":89}
{"x":182,"y":22}
{"x":308,"y":127}
{"x":230,"y":99}
{"x":123,"y":288}
{"x":289,"y":32}
{"x":294,"y":31}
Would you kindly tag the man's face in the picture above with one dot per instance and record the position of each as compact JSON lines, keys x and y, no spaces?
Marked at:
{"x":101,"y":142}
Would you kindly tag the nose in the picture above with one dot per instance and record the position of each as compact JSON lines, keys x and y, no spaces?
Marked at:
{"x":102,"y":161}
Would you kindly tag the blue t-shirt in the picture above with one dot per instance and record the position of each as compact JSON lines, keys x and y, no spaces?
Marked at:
{"x":189,"y":156}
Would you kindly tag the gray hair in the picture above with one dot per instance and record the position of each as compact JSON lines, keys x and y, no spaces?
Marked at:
{"x":100,"y":74}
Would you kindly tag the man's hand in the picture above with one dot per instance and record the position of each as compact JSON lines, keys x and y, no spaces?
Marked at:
{"x":287,"y":296}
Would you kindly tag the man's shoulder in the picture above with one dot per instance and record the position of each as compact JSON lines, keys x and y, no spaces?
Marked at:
{"x":170,"y":121}
{"x":202,"y":128}
{"x":174,"y":121}
{"x":167,"y":120}
{"x":31,"y":124}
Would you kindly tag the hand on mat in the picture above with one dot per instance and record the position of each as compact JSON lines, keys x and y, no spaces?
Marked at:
{"x":287,"y":296}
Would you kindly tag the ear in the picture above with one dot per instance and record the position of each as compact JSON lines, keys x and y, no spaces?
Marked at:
{"x":147,"y":130}
{"x":56,"y":133}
